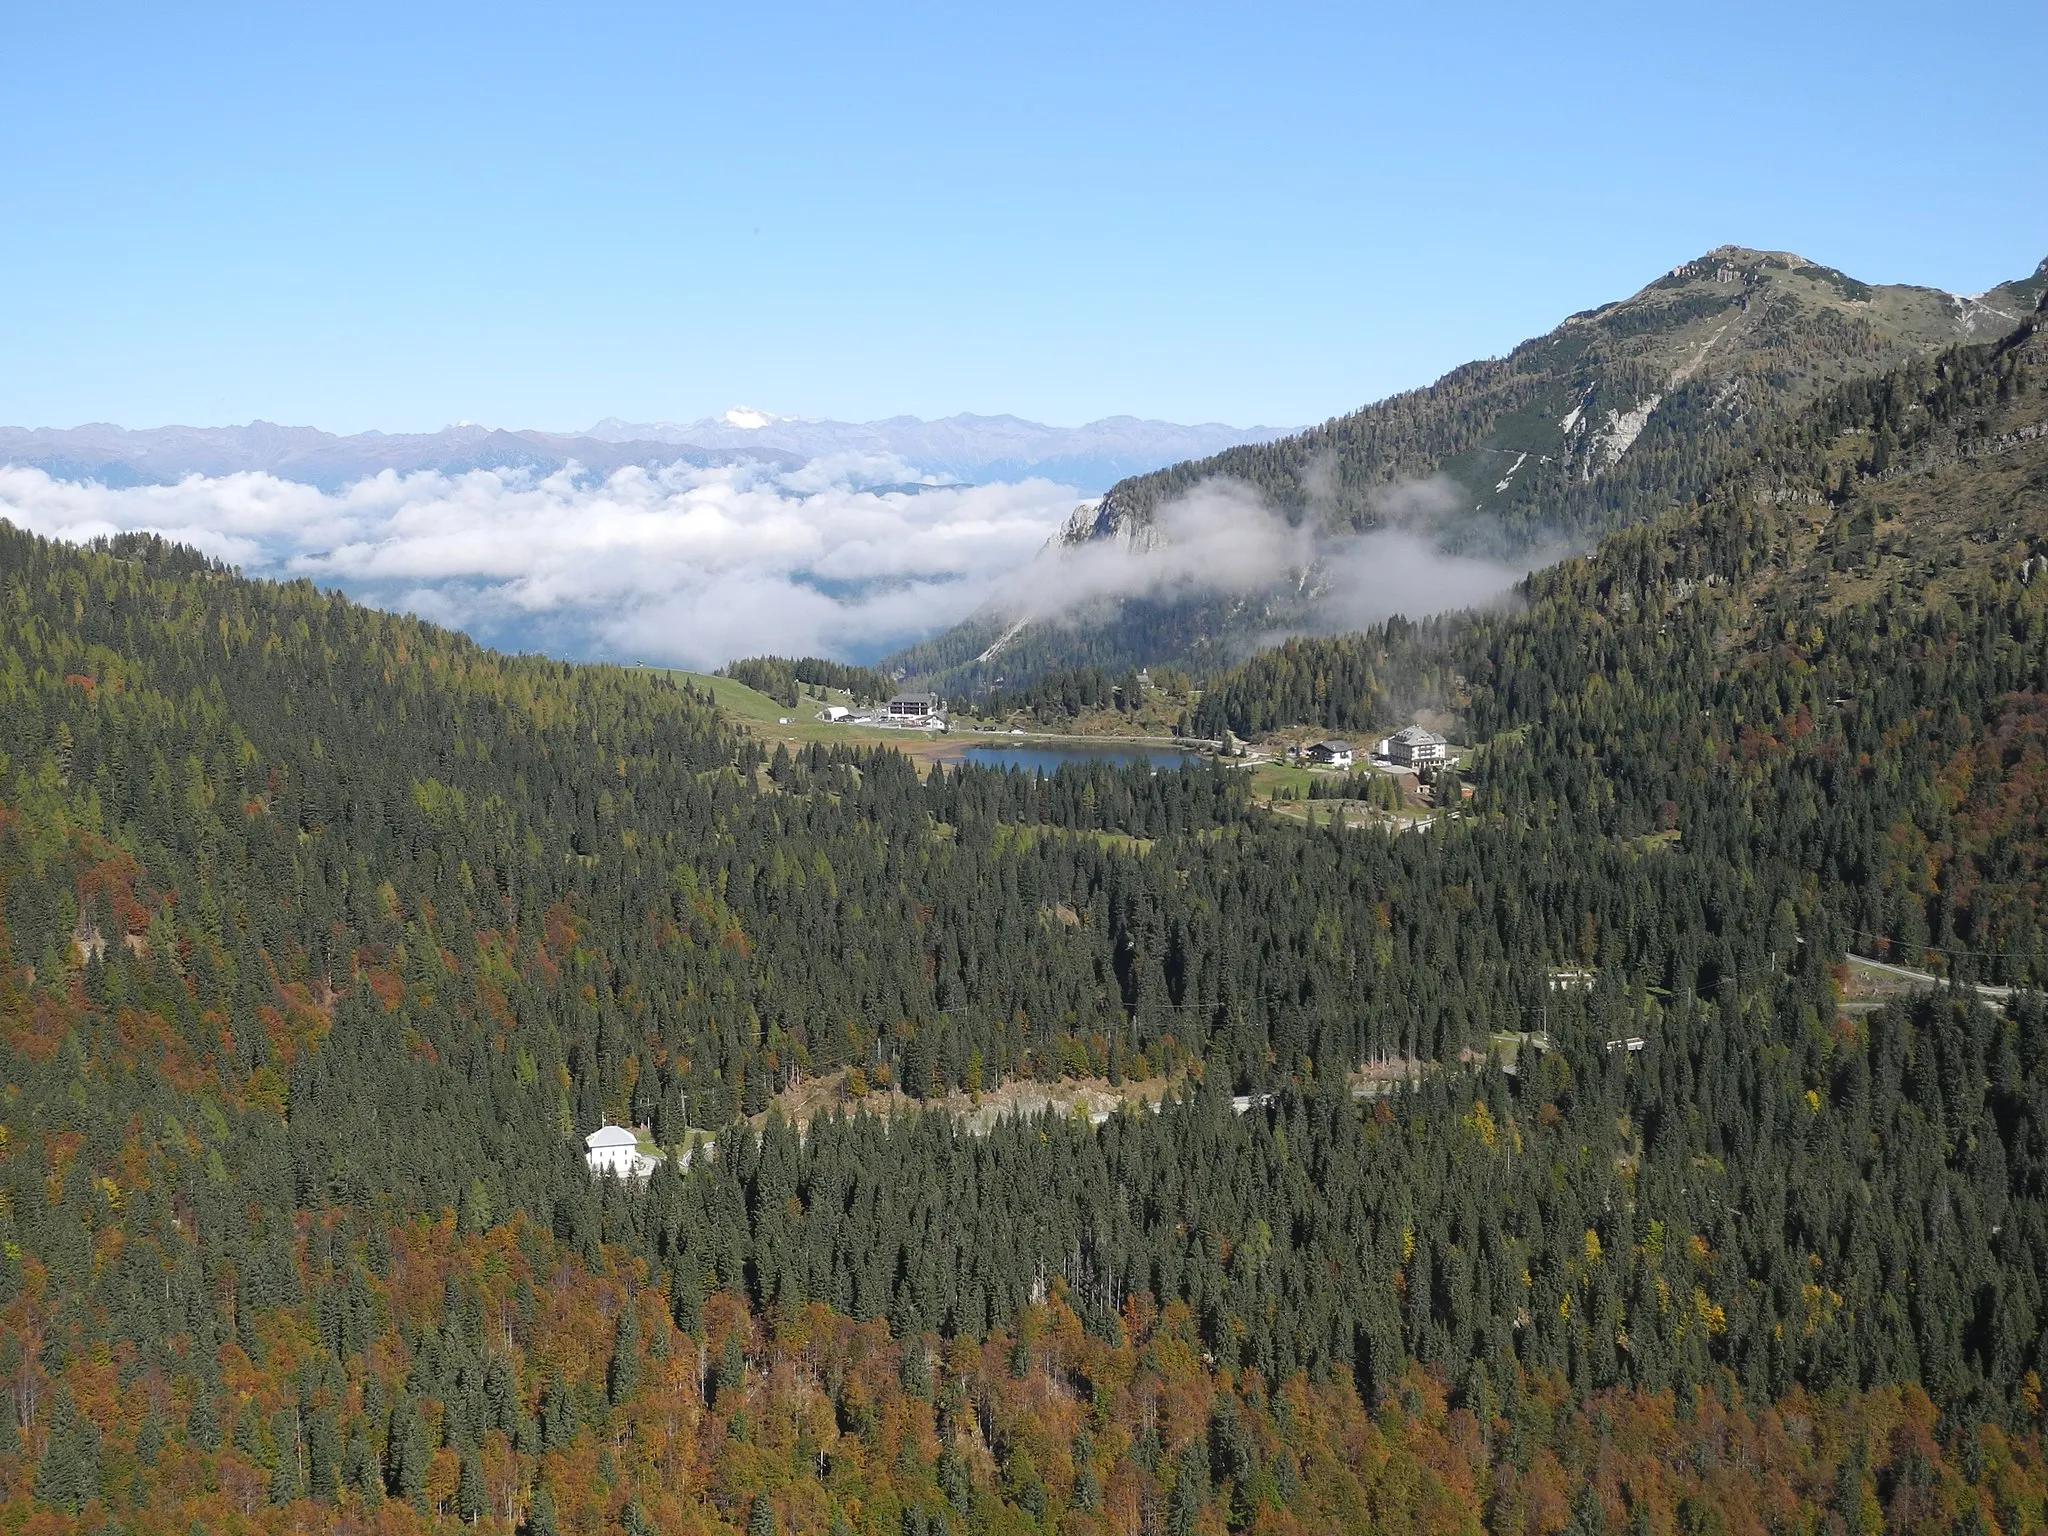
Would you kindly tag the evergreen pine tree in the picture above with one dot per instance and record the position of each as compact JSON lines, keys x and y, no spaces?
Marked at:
{"x":622,"y":1375}
{"x":1190,"y":1490}
{"x":69,"y":1474}
{"x":540,"y":1515}
{"x":470,"y":1501}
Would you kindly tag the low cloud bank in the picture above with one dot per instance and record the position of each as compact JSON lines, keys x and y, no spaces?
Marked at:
{"x":1223,"y":539}
{"x":678,"y":565}
{"x":847,"y":556}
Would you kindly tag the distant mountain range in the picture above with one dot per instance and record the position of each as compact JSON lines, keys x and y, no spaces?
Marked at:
{"x":1616,"y":416}
{"x":965,"y":448}
{"x":979,"y":448}
{"x":118,"y":456}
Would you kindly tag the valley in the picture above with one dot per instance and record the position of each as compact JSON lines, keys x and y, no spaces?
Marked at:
{"x":981,"y":945}
{"x":1549,"y":1147}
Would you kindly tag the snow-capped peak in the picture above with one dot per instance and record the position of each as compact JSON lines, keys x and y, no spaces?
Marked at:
{"x":747,"y":419}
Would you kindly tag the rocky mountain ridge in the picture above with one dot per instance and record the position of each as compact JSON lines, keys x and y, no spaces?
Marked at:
{"x":1612,"y":418}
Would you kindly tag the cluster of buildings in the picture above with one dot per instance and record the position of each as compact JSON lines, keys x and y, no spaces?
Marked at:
{"x":917,"y":710}
{"x":1414,"y":748}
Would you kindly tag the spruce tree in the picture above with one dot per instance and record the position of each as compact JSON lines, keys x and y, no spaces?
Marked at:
{"x":540,"y":1515}
{"x":622,"y":1374}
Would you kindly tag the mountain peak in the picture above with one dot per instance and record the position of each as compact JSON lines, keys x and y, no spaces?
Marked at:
{"x":1750,"y":253}
{"x":747,"y":419}
{"x":1611,"y":418}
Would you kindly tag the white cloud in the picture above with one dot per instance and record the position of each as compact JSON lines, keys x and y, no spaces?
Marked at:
{"x":1219,"y":537}
{"x":1223,"y":538}
{"x":683,"y":565}
{"x":847,"y":556}
{"x":1367,"y":577}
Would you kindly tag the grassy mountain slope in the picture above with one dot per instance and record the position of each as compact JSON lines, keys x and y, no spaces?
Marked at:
{"x":1613,"y":418}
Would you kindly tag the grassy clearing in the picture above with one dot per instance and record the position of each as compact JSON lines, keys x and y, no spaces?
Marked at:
{"x":1352,"y":813}
{"x":1280,"y":781}
{"x":736,"y":699}
{"x":1282,"y":788}
{"x":760,"y":716}
{"x":1091,"y":1097}
{"x":1868,"y":982}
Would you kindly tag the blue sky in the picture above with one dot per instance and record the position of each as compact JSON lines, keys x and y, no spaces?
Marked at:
{"x":396,"y":217}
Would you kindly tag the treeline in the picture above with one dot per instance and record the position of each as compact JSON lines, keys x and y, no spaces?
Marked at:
{"x":1851,"y":445}
{"x":779,"y":677}
{"x":1126,"y":634}
{"x":1925,"y":411}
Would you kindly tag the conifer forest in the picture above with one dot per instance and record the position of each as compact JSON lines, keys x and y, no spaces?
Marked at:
{"x":1527,"y":1172}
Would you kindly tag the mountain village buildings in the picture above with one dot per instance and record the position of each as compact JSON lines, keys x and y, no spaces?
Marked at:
{"x":1414,"y":748}
{"x":914,"y":708}
{"x":1330,"y":754}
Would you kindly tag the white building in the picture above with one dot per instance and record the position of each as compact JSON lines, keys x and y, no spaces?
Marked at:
{"x":836,"y":712}
{"x":1331,"y":754}
{"x":1415,"y":748}
{"x":612,"y":1149}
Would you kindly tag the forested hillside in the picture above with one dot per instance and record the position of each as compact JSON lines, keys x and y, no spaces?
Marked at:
{"x":1612,"y":419}
{"x":1854,"y":619}
{"x":327,"y":935}
{"x":779,"y":677}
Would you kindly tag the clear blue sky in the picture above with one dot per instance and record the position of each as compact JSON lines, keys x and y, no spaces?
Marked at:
{"x":398,"y":216}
